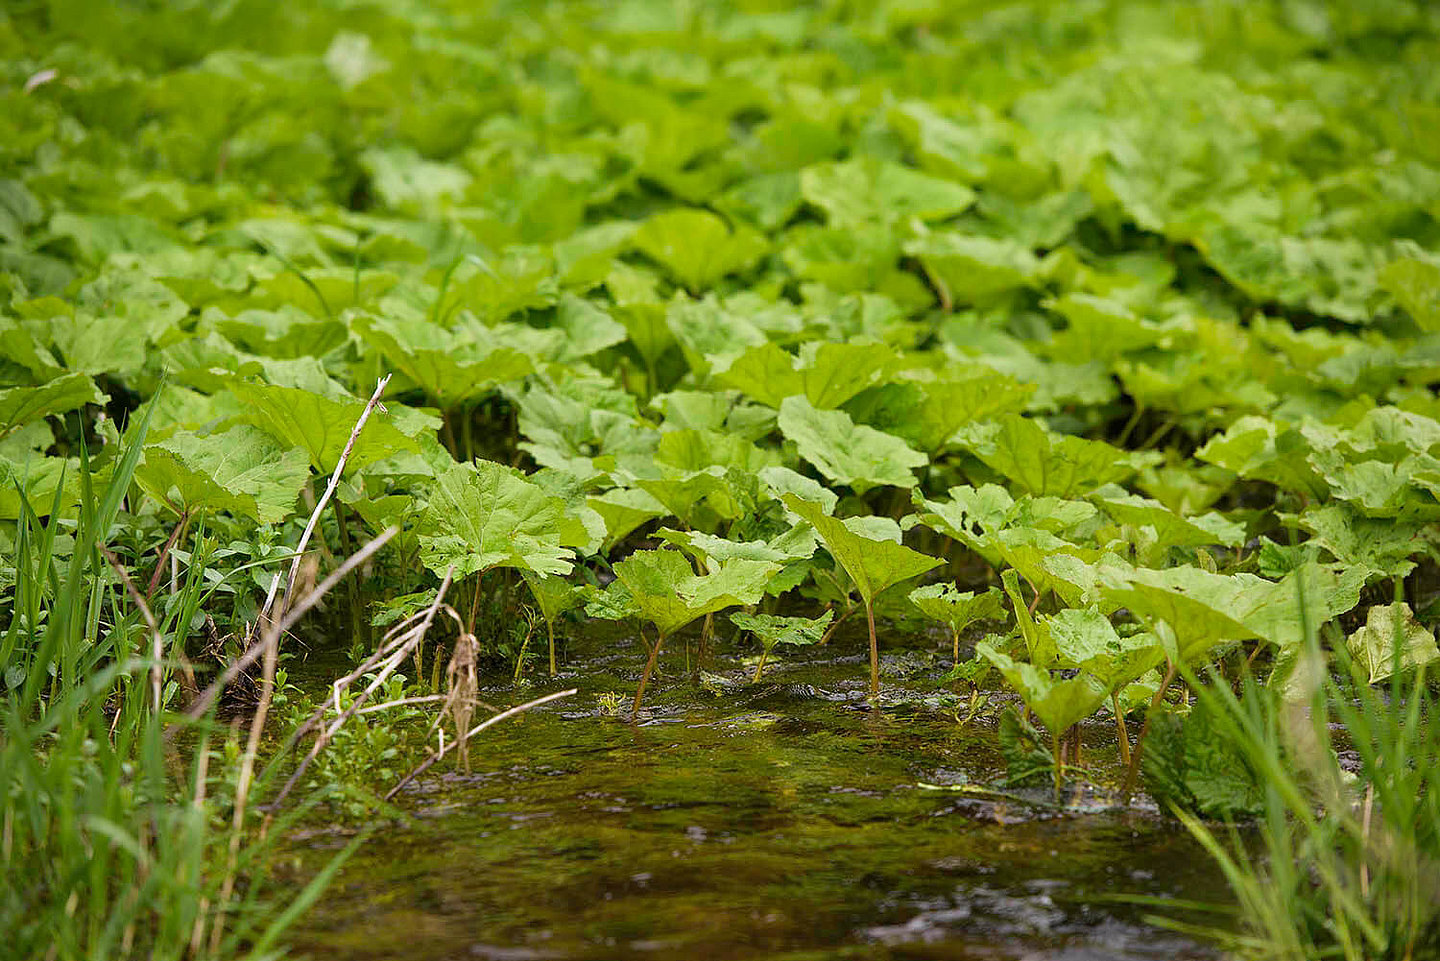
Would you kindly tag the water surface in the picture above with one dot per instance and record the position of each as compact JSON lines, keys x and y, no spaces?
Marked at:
{"x":786,"y":820}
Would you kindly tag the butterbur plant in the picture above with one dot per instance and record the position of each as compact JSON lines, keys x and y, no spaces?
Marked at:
{"x":662,"y":588}
{"x":957,"y":609}
{"x":553,"y":597}
{"x":773,"y":630}
{"x":1059,"y":702}
{"x":870,"y":551}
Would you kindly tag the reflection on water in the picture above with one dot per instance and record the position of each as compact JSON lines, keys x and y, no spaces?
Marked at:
{"x":784,"y":821}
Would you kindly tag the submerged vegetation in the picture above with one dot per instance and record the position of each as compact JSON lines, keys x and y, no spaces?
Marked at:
{"x":1111,"y":327}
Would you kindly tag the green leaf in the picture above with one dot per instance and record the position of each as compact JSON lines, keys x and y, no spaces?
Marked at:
{"x":24,"y":405}
{"x":585,"y":257}
{"x":1039,"y":646}
{"x":1099,"y":329}
{"x":1194,"y":604}
{"x":406,"y":182}
{"x":782,"y":480}
{"x":1222,"y":783}
{"x":1084,"y":638}
{"x":827,"y":374}
{"x":1260,"y":449}
{"x":1028,"y":550}
{"x":773,"y":629}
{"x":929,"y":413}
{"x":873,"y":563}
{"x":957,"y":609}
{"x":693,"y":450}
{"x":588,"y":328}
{"x":1163,"y":764}
{"x":859,"y":456}
{"x":974,"y":269}
{"x":971,"y":516}
{"x":287,"y":332}
{"x":767,"y":201}
{"x":485,"y":515}
{"x":709,"y":335}
{"x":320,"y":426}
{"x":1381,"y":544}
{"x":242,"y":470}
{"x":697,"y":247}
{"x":1415,"y":284}
{"x":38,"y":478}
{"x":1058,"y":703}
{"x":710,"y":550}
{"x":1171,"y":529}
{"x":522,"y":278}
{"x":1192,"y":763}
{"x":553,"y":595}
{"x":849,"y":261}
{"x":1028,"y":759}
{"x":1380,"y":489}
{"x":1042,"y":462}
{"x":669,"y":594}
{"x":1392,"y":641}
{"x":623,"y":510}
{"x":1286,"y":612}
{"x":856,"y":194}
{"x":449,"y":367}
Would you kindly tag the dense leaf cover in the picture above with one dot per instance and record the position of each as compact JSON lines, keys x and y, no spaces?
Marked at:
{"x":1135,"y":301}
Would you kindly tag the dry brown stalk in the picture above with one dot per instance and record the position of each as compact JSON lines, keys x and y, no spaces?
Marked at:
{"x":314,"y":520}
{"x":471,"y":733}
{"x":203,"y":702}
{"x":202,"y":764}
{"x":401,"y":702}
{"x":462,"y":691}
{"x":412,"y":638}
{"x":270,"y":647}
{"x":247,"y":770}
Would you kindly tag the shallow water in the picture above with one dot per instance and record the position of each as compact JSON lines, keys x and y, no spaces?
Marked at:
{"x":784,"y":820}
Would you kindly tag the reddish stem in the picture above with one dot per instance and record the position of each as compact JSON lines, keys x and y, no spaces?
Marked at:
{"x":649,"y":669}
{"x":874,"y":652}
{"x":175,"y":534}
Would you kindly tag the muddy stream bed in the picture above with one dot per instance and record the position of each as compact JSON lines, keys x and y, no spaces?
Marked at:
{"x":786,"y":820}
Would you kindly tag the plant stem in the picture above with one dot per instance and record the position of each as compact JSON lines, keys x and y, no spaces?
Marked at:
{"x":649,"y":669}
{"x":1130,"y":425}
{"x":1134,"y":769}
{"x":1059,"y":762}
{"x":1120,"y":730}
{"x":705,"y":632}
{"x":550,"y":629}
{"x":957,"y":648}
{"x":467,"y":433}
{"x":449,"y":434}
{"x":836,"y":623}
{"x":761,"y":666}
{"x":176,"y":533}
{"x":874,"y":652}
{"x":520,"y":658}
{"x":358,"y":624}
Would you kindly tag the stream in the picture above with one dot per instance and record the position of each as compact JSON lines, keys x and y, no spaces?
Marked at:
{"x":786,"y":820}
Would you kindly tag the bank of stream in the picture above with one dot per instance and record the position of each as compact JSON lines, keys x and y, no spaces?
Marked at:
{"x":785,"y":820}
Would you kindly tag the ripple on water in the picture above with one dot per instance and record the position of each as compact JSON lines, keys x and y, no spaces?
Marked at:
{"x":788,"y":820}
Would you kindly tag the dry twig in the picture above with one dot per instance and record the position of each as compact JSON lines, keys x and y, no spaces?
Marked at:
{"x":314,"y":521}
{"x":411,"y":639}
